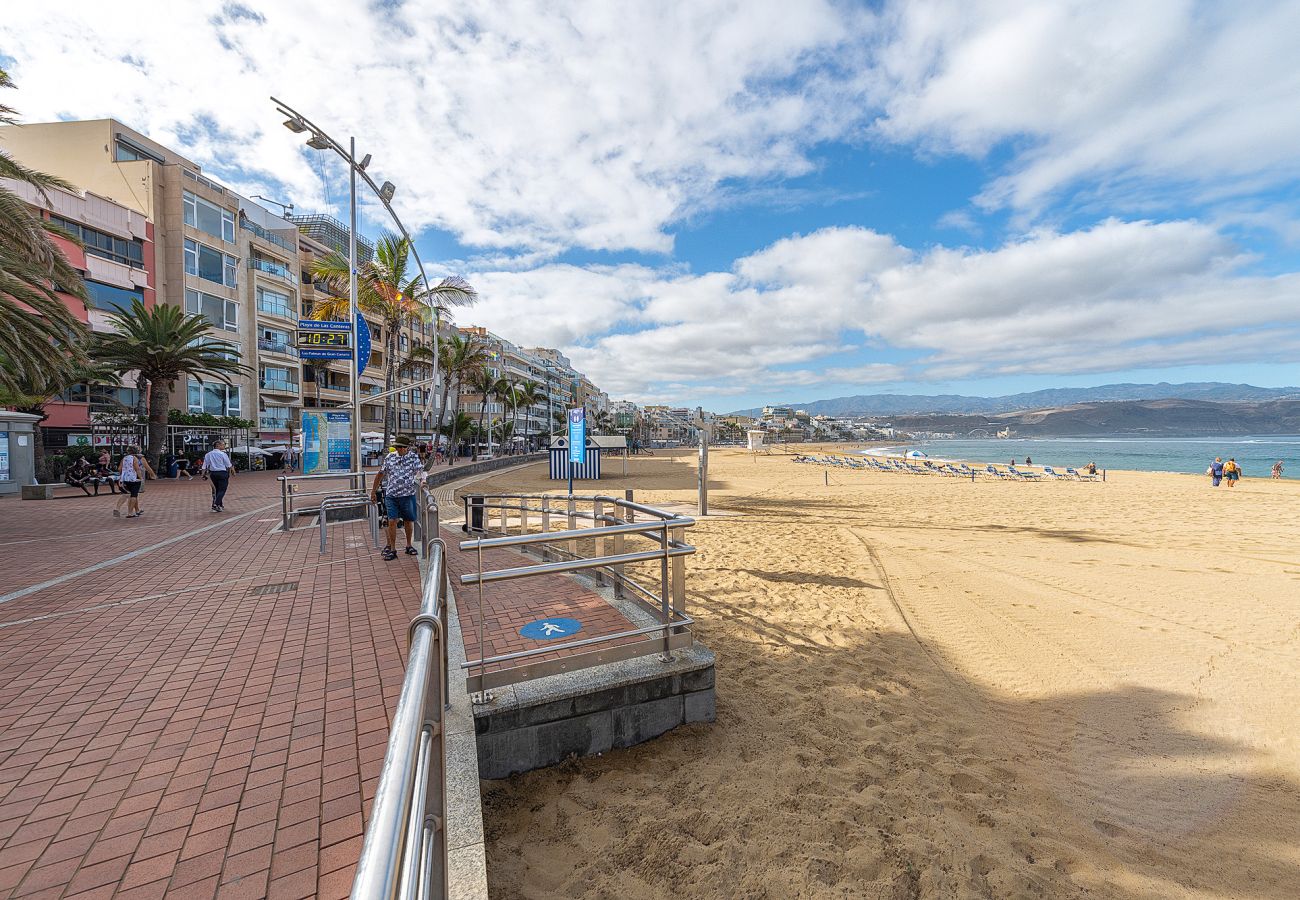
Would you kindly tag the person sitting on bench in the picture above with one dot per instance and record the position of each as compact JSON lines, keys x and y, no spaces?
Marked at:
{"x":79,"y":475}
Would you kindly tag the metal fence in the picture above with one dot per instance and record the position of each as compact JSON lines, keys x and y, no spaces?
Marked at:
{"x":295,"y":487}
{"x":405,"y":850}
{"x":653,"y":576}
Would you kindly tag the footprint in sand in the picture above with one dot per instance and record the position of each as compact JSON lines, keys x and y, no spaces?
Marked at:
{"x":1107,"y":828}
{"x":968,"y":784}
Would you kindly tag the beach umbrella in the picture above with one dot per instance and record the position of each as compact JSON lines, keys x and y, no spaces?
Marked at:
{"x":915,"y":454}
{"x":245,"y":450}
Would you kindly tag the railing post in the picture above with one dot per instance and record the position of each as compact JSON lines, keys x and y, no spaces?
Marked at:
{"x":546,"y":525}
{"x":573,"y":524}
{"x":619,"y":544}
{"x":631,"y":513}
{"x":284,"y":503}
{"x":598,"y":543}
{"x":664,"y":610}
{"x":679,"y":573}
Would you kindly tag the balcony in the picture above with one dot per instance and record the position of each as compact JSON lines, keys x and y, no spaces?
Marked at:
{"x":277,"y":347}
{"x":268,"y":267}
{"x":269,"y":236}
{"x":278,"y":386}
{"x":273,"y":423}
{"x":271,"y":308}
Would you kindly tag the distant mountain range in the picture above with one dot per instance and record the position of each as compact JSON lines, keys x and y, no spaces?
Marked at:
{"x":1154,"y":418}
{"x":1052,"y":398}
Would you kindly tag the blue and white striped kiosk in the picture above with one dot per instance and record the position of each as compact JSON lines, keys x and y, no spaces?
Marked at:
{"x":589,"y":468}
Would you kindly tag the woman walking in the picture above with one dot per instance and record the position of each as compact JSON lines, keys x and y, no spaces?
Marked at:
{"x":134,"y":468}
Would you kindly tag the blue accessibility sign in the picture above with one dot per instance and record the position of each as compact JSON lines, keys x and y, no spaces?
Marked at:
{"x":550,"y":629}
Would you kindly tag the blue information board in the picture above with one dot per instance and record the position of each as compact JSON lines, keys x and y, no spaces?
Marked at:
{"x":322,"y":339}
{"x":550,"y":629}
{"x":577,"y":435}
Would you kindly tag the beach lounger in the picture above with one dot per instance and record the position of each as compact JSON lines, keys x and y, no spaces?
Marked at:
{"x":1027,"y":476}
{"x":1053,"y":474}
{"x":1082,"y":476}
{"x":989,"y":470}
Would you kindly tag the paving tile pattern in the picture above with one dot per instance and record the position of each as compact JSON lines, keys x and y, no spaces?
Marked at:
{"x":166,"y":731}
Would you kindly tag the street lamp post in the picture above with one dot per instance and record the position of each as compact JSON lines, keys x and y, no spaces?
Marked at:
{"x":298,"y":124}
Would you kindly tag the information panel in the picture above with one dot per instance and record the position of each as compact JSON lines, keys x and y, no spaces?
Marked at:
{"x":577,"y":435}
{"x":326,"y":442}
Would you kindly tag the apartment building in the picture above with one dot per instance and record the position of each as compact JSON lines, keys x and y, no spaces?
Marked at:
{"x":195,"y":238}
{"x":116,"y":261}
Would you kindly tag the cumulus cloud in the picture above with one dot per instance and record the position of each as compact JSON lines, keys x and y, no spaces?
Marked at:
{"x":1117,"y":295}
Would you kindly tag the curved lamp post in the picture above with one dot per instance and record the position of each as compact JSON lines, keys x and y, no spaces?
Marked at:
{"x":319,"y":140}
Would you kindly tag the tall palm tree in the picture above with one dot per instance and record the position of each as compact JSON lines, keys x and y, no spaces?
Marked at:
{"x":37,"y":331}
{"x":390,"y":289}
{"x":162,"y":344}
{"x":482,"y":382}
{"x":459,"y":356}
{"x":507,"y":394}
{"x":530,"y":394}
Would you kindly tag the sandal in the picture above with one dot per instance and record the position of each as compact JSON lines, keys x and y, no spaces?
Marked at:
{"x":389,"y":554}
{"x":411,"y":551}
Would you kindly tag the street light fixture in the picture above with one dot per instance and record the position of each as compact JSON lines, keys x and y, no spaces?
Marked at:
{"x":298,"y":123}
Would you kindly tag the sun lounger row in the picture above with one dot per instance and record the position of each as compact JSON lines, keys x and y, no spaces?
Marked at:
{"x":948,"y":470}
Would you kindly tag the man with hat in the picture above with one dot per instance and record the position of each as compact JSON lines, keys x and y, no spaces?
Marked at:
{"x":399,"y":475}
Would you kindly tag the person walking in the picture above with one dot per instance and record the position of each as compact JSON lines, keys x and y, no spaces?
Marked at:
{"x":1277,"y":469}
{"x":1215,"y":471}
{"x":133,"y":471}
{"x":399,"y":476}
{"x":1232,"y":472}
{"x":218,"y":467}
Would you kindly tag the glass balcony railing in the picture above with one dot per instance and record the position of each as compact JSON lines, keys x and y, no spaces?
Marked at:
{"x":266,"y":235}
{"x":273,"y":423}
{"x":271,"y":268}
{"x":277,"y":347}
{"x":278,"y":385}
{"x":271,"y":308}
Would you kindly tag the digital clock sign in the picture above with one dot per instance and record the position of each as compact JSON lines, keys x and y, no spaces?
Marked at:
{"x":324,"y":340}
{"x":337,"y":339}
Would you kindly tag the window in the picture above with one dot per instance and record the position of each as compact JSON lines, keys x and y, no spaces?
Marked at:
{"x":406,"y":418}
{"x":127,"y":151}
{"x":219,"y":312}
{"x":274,"y":303}
{"x":105,"y":296}
{"x":210,"y":264}
{"x":208,"y":217}
{"x":102,"y":244}
{"x":216,"y":398}
{"x":402,"y":340}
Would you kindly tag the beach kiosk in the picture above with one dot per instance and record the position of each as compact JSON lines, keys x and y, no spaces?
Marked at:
{"x":589,"y":469}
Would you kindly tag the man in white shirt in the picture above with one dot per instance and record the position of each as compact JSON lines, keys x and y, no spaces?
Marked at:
{"x":218,"y":467}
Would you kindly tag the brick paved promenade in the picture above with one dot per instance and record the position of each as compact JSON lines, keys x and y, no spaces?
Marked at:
{"x":193,"y":704}
{"x":167,"y":725}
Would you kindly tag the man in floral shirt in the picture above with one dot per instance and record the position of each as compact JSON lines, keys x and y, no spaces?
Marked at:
{"x":400,"y":477}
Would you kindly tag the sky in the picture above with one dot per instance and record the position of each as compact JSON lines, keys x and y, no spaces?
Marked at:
{"x":728,"y":204}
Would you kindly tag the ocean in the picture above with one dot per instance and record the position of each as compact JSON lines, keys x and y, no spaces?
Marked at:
{"x":1191,"y":455}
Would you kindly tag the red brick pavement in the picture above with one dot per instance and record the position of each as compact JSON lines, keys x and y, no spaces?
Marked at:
{"x":164,"y":730}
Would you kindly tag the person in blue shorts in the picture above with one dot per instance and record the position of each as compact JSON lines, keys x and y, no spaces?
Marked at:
{"x":399,"y":475}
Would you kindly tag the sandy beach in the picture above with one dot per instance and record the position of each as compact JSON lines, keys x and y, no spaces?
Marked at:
{"x":932,"y":687}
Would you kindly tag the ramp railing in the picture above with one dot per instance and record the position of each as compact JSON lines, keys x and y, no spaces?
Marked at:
{"x":295,"y":487}
{"x":643,"y":561}
{"x":348,"y":500}
{"x":405,"y":850}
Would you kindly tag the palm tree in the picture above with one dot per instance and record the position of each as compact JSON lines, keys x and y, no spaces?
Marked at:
{"x":506,"y":390}
{"x":390,"y":290}
{"x":459,"y":355}
{"x":482,"y":382}
{"x":37,"y":331}
{"x":530,"y":394}
{"x":459,"y":424}
{"x":162,"y":344}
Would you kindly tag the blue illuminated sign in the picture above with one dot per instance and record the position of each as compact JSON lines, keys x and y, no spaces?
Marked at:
{"x":577,"y":435}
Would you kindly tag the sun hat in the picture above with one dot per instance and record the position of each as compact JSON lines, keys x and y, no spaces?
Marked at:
{"x":401,"y":441}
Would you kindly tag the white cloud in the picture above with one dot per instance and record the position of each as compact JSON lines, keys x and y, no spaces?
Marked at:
{"x":1117,"y":295}
{"x":1124,"y":100}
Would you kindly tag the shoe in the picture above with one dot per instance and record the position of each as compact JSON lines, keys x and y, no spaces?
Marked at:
{"x":390,"y":554}
{"x":411,"y":551}
{"x":214,"y":509}
{"x":117,"y":514}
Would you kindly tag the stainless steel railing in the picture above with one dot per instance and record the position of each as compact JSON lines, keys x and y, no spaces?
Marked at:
{"x":294,"y":487}
{"x":349,"y":500}
{"x":613,"y":525}
{"x":405,"y":850}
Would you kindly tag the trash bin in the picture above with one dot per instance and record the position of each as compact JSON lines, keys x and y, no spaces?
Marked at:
{"x":473,"y":515}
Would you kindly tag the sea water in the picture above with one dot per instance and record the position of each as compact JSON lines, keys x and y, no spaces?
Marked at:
{"x":1191,"y":455}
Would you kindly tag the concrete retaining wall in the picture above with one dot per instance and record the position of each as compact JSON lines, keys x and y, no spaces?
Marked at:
{"x":540,"y":723}
{"x":440,"y":475}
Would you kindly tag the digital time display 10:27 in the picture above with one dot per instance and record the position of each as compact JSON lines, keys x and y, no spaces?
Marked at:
{"x":336,"y":339}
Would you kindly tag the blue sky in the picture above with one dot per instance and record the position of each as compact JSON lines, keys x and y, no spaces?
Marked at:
{"x":719,"y":205}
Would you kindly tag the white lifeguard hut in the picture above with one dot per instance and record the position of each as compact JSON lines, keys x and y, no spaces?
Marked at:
{"x":755,"y":438}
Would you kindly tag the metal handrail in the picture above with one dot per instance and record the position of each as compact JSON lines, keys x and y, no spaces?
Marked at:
{"x":288,"y":483}
{"x":346,"y":500}
{"x":405,"y":849}
{"x":668,"y":603}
